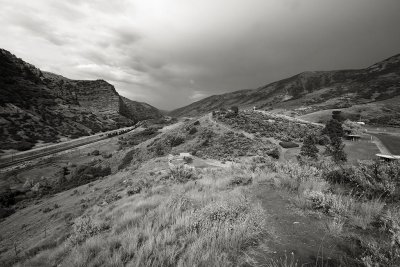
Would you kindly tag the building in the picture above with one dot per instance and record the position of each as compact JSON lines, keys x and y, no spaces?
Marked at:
{"x":353,"y":137}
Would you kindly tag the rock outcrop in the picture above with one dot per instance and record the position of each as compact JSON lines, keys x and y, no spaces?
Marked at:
{"x":40,"y":106}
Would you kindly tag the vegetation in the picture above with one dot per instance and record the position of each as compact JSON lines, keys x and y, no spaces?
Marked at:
{"x":336,"y":150}
{"x":269,"y":126}
{"x":159,"y":214}
{"x":333,"y":129}
{"x":309,"y":148}
{"x":288,"y":144}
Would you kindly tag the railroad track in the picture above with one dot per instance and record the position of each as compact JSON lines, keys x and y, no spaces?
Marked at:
{"x":11,"y":162}
{"x":4,"y":163}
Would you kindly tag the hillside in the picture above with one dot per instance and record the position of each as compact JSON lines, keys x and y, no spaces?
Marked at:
{"x":231,"y":199}
{"x":312,"y":91}
{"x":38,"y":106}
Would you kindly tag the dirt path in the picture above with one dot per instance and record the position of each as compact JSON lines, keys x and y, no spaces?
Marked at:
{"x":304,"y":236}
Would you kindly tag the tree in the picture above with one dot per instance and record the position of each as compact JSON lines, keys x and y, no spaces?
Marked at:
{"x":333,"y":129}
{"x":336,"y":150}
{"x":336,"y":115}
{"x":309,"y":148}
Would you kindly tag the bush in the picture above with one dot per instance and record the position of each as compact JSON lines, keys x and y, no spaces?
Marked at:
{"x":83,"y":228}
{"x":193,"y":130}
{"x":188,"y":160}
{"x":235,"y":109}
{"x":159,"y":149}
{"x":7,"y":197}
{"x":126,"y":160}
{"x":372,"y":179}
{"x":323,"y":140}
{"x":176,"y":140}
{"x":274,"y":153}
{"x":241,"y":180}
{"x":288,"y":144}
{"x":24,"y":145}
{"x":84,"y":174}
{"x":182,"y":174}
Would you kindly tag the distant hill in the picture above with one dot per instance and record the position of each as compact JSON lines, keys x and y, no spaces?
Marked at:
{"x":41,"y":106}
{"x":311,"y":91}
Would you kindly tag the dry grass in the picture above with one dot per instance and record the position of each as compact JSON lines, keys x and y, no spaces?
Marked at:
{"x":206,"y":222}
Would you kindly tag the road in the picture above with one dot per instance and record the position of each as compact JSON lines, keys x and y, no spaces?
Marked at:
{"x":20,"y":157}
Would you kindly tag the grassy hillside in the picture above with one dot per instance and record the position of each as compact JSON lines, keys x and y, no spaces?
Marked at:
{"x":136,"y":202}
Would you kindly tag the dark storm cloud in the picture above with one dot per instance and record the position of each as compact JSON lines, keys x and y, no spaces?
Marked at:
{"x":172,"y":52}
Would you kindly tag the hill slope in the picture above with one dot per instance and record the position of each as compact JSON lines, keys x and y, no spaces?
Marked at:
{"x":312,"y":91}
{"x":41,"y":106}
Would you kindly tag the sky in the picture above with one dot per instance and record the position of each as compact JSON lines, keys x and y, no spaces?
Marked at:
{"x":170,"y":53}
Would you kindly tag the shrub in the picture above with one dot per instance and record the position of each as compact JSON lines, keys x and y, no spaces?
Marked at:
{"x":107,"y":156}
{"x":7,"y":197}
{"x":159,"y":149}
{"x":193,"y":130}
{"x":323,"y":140}
{"x":182,"y":174}
{"x":83,"y":228}
{"x":127,"y":159}
{"x":274,"y":153}
{"x":137,"y":187}
{"x":176,"y":140}
{"x":24,"y":145}
{"x":288,"y":144}
{"x":84,"y":174}
{"x":188,"y":160}
{"x":241,"y":180}
{"x":235,"y":109}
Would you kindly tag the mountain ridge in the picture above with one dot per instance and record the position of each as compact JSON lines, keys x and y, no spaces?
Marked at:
{"x":310,"y":91}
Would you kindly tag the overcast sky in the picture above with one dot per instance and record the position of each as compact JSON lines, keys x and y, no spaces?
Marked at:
{"x":170,"y":53}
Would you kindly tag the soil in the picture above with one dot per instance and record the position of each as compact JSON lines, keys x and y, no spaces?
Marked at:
{"x":296,"y":234}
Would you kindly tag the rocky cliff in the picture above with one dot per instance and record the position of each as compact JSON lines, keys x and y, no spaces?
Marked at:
{"x":38,"y":106}
{"x":312,"y":91}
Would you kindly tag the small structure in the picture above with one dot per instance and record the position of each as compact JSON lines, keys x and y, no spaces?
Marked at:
{"x":386,"y":157}
{"x":353,"y":137}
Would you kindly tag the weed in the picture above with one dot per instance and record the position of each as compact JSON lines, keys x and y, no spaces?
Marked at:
{"x":335,"y":226}
{"x":182,"y":173}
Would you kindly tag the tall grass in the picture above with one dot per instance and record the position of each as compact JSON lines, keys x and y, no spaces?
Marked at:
{"x":209,"y":221}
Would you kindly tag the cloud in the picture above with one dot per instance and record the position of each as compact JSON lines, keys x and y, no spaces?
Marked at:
{"x":170,"y":53}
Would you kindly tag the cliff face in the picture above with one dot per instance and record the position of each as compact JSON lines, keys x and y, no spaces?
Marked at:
{"x":311,"y":91}
{"x":40,"y":106}
{"x":137,"y":110}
